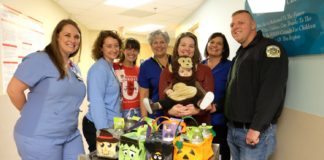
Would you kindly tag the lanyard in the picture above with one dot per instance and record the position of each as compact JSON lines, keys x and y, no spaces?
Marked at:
{"x":75,"y":71}
{"x":114,"y":73}
{"x":158,"y":62}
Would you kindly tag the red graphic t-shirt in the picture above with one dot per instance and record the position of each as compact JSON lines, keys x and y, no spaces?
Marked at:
{"x":127,"y":77}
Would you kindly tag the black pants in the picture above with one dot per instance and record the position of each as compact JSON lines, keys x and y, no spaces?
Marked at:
{"x":89,"y":132}
{"x":221,"y":138}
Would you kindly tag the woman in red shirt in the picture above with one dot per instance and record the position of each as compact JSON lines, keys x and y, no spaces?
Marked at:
{"x":127,"y":74}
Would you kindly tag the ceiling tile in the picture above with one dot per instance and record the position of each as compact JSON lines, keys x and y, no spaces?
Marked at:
{"x":95,"y":15}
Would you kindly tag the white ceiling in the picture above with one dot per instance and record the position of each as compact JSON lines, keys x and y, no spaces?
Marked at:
{"x":95,"y":15}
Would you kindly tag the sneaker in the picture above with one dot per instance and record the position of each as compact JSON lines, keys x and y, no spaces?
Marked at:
{"x":207,"y":100}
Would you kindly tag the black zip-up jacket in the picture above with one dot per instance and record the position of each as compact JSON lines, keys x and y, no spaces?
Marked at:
{"x":257,"y":92}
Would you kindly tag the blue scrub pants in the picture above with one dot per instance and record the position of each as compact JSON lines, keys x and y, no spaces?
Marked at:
{"x":45,"y":148}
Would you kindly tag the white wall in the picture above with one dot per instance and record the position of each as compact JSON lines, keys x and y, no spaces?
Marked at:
{"x":213,"y":16}
{"x":50,"y":14}
{"x":304,"y":112}
{"x":305,"y":84}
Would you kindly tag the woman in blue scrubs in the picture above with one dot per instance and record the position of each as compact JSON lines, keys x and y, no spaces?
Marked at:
{"x":47,"y":128}
{"x":151,"y":68}
{"x":103,"y":87}
{"x":217,"y":52}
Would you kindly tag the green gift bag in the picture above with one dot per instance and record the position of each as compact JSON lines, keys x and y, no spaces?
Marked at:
{"x":131,"y":144}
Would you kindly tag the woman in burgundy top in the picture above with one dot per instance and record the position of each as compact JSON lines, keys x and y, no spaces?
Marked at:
{"x":186,"y":45}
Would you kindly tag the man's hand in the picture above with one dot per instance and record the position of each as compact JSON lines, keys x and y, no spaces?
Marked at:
{"x":252,"y":137}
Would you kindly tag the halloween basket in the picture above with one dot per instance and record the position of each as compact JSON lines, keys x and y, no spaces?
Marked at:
{"x":131,"y":144}
{"x":159,"y":144}
{"x":187,"y":147}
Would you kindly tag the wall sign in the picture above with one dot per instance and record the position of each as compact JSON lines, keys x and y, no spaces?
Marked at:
{"x":299,"y":28}
{"x":19,"y":36}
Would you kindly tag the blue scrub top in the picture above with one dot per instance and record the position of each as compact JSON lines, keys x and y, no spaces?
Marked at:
{"x":149,"y":77}
{"x":103,"y":94}
{"x":52,"y":106}
{"x":220,"y":74}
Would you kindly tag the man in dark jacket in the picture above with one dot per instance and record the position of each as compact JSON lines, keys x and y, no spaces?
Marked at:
{"x":256,"y":90}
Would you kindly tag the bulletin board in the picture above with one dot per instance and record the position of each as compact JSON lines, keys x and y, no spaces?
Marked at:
{"x":20,"y":35}
{"x":299,"y":28}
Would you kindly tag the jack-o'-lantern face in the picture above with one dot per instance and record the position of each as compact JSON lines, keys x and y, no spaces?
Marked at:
{"x":187,"y":154}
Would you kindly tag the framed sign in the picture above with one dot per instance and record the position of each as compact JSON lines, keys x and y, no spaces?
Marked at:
{"x":299,"y":28}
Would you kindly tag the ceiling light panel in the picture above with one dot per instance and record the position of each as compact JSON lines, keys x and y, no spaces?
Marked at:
{"x":266,"y":6}
{"x":127,"y":3}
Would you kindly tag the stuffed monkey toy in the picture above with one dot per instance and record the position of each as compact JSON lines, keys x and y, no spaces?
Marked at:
{"x":183,"y":90}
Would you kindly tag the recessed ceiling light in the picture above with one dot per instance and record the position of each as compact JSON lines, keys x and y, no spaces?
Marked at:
{"x":266,"y":6}
{"x":147,"y":28}
{"x":126,"y":3}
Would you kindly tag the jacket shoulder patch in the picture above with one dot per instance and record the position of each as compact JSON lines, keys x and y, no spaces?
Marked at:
{"x":273,"y":51}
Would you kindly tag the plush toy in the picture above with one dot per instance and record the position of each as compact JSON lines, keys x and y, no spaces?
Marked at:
{"x":183,"y":90}
{"x":107,"y":145}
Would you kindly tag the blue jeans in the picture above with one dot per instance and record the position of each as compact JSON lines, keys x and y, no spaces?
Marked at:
{"x":131,"y":112}
{"x":242,"y":151}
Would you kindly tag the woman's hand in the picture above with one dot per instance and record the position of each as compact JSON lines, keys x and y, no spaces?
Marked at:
{"x":212,"y":108}
{"x":177,"y":110}
{"x":190,"y":110}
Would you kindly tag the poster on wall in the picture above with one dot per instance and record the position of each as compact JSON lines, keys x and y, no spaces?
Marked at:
{"x":300,"y":28}
{"x":19,"y":36}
